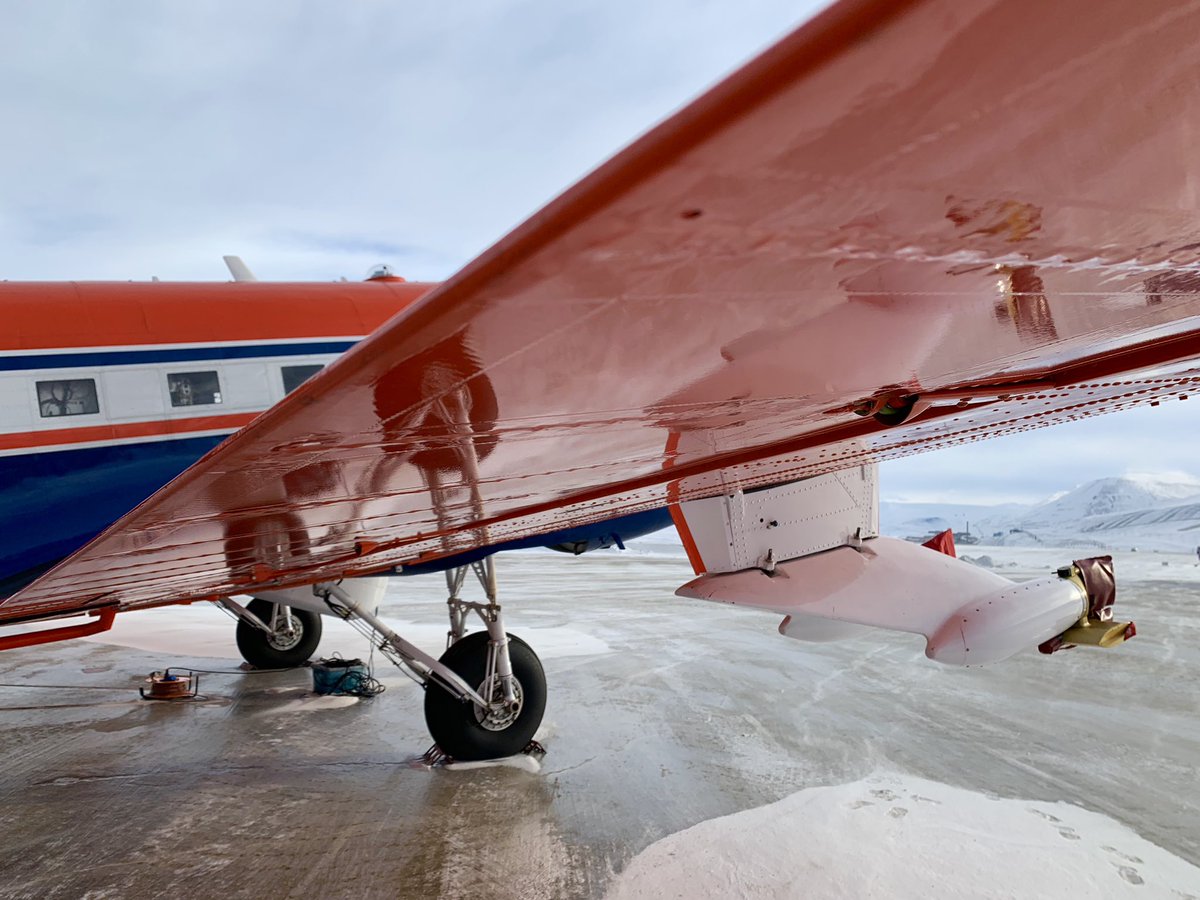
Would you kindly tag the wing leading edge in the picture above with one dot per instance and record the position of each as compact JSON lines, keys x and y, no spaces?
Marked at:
{"x":905,"y":226}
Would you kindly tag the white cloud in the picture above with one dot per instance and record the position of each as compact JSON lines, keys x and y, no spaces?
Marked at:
{"x":150,"y":138}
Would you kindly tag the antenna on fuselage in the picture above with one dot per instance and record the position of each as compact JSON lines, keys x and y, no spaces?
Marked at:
{"x":238,"y":269}
{"x":383,"y":272}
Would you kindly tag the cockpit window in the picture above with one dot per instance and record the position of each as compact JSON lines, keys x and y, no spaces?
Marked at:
{"x":194,"y":388}
{"x":294,"y":376}
{"x":76,"y":397}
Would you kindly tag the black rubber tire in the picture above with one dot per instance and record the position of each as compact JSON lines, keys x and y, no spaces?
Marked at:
{"x":256,"y":647}
{"x":452,"y":722}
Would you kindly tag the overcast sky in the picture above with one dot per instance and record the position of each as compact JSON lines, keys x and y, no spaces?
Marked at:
{"x":315,"y":139}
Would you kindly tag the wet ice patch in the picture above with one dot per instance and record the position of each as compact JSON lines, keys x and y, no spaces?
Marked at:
{"x":897,"y":836}
{"x":314,"y":703}
{"x":562,"y":641}
{"x":522,"y":761}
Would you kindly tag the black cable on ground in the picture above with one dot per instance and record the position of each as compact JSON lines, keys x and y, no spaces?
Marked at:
{"x":359,"y":685}
{"x":69,"y":687}
{"x":234,"y":671}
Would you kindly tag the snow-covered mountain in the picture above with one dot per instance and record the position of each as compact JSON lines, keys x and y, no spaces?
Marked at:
{"x":1115,"y":495}
{"x":1152,"y":512}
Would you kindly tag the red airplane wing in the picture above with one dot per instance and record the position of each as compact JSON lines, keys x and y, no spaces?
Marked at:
{"x":988,"y":205}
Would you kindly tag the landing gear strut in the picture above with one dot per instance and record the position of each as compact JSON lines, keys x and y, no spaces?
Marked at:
{"x":485,"y":696}
{"x":505,"y":670}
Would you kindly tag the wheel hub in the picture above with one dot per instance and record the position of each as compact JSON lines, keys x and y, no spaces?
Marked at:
{"x":289,"y":631}
{"x":498,"y":714}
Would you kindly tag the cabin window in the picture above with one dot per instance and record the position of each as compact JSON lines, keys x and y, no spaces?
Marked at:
{"x":294,"y":376}
{"x":194,"y":388}
{"x":75,"y":397}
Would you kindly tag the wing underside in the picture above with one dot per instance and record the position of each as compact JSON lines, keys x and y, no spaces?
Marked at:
{"x":905,"y":226}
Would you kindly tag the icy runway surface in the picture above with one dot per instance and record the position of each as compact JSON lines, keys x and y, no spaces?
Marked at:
{"x":693,"y":752}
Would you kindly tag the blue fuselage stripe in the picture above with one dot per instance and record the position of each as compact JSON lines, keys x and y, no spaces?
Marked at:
{"x":99,"y":358}
{"x":53,"y":503}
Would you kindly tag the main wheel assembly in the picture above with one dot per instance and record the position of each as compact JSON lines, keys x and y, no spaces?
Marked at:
{"x":465,"y":731}
{"x":294,"y":636}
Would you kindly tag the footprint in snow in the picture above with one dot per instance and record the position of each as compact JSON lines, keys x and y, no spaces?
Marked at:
{"x":1130,"y":874}
{"x":1125,"y":856}
{"x":1046,"y":816}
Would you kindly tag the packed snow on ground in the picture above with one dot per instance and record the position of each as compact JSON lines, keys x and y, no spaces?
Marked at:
{"x":203,"y":631}
{"x":1019,"y":563}
{"x":896,"y":836}
{"x":551,"y":643}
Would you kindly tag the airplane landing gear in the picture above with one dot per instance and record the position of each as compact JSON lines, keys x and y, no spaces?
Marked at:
{"x":503,"y":669}
{"x":274,"y":636}
{"x":485,"y":696}
{"x":467,"y":731}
